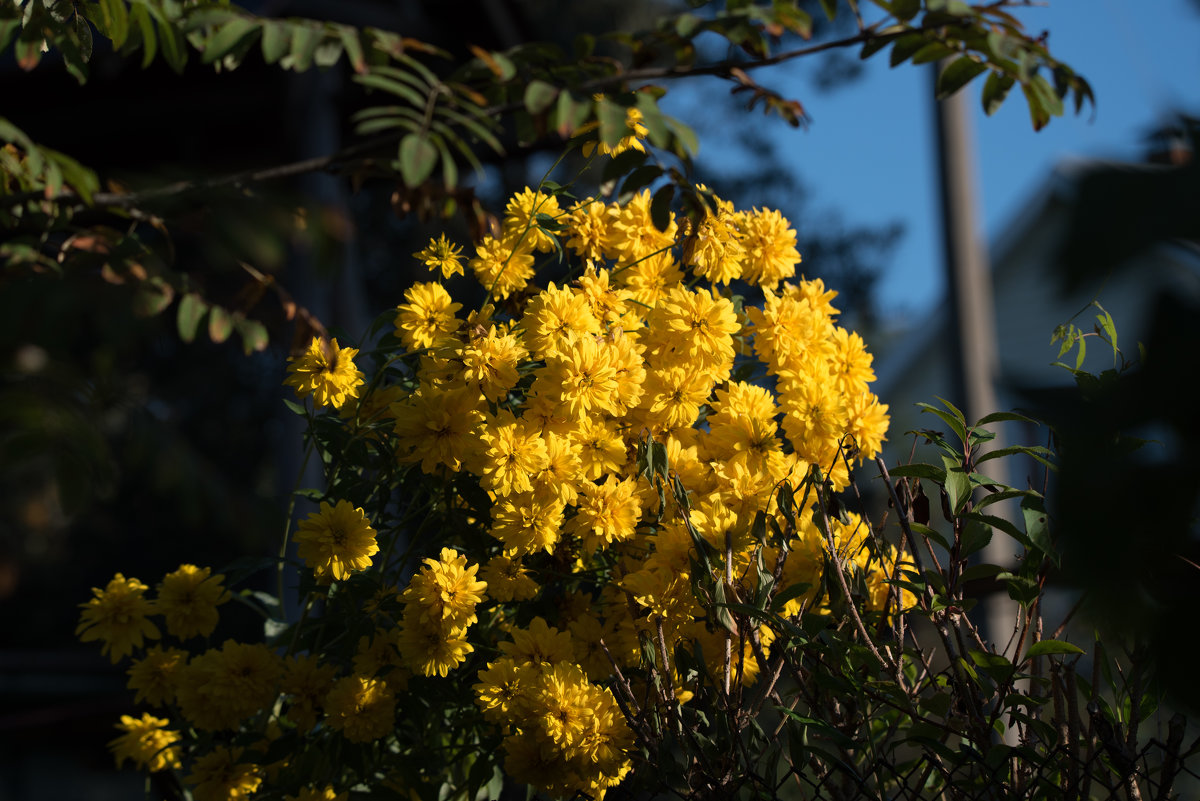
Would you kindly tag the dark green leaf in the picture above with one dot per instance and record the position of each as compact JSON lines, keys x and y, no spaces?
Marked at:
{"x":931,"y":533}
{"x":354,"y":49}
{"x":904,"y":10}
{"x":192,"y":309}
{"x":687,"y":145}
{"x":220,"y":324}
{"x":276,"y":40}
{"x":958,"y":484}
{"x":660,"y":207}
{"x":152,"y":296}
{"x":84,"y":33}
{"x":1037,"y":111}
{"x":934,"y":51}
{"x":254,"y":334}
{"x":1037,"y":526}
{"x":957,"y":74}
{"x":905,"y":47}
{"x":612,"y":121}
{"x":830,"y":8}
{"x":236,"y":33}
{"x":1051,"y":647}
{"x":995,"y":90}
{"x":918,"y":470}
{"x":539,"y":95}
{"x":1001,"y":417}
{"x":172,"y":45}
{"x":305,"y":39}
{"x":294,"y":407}
{"x":417,"y":159}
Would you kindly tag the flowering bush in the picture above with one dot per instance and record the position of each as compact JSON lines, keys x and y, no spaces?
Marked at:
{"x":515,"y":457}
{"x":590,"y":536}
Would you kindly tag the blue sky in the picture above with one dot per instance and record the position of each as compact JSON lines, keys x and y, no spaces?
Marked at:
{"x":869,"y":152}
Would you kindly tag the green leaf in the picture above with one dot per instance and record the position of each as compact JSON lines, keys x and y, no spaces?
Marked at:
{"x":254,"y":334}
{"x":328,"y":52}
{"x":305,"y":39}
{"x":173,"y":46}
{"x":1037,"y":526}
{"x":918,"y":470}
{"x":84,"y":32}
{"x":296,"y":408}
{"x":904,"y":10}
{"x":1045,"y":647}
{"x":354,"y":49}
{"x":995,"y":90}
{"x":954,"y":418}
{"x":975,"y":537}
{"x":116,"y":22}
{"x":687,"y":144}
{"x":660,"y":207}
{"x":9,"y":29}
{"x":152,"y":296}
{"x":192,"y":309}
{"x":539,"y":95}
{"x":220,"y":324}
{"x":234,"y":34}
{"x":276,"y":40}
{"x":958,"y":484}
{"x":570,"y":114}
{"x":1037,"y":111}
{"x":905,"y":47}
{"x":830,"y":8}
{"x":612,"y":121}
{"x":934,"y":51}
{"x":931,"y":533}
{"x":957,"y":74}
{"x":1005,"y":417}
{"x":641,"y":177}
{"x":417,"y":159}
{"x":1036,"y":452}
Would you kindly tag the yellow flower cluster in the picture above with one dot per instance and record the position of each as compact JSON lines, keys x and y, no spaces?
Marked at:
{"x":119,"y":615}
{"x":563,"y":733}
{"x":539,"y":403}
{"x":547,"y":408}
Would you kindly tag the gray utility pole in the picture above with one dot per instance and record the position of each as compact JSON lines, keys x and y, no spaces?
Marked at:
{"x":973,"y":334}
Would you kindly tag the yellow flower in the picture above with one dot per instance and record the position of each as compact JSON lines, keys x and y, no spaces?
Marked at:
{"x":503,"y":266}
{"x":520,"y":218}
{"x":431,"y":649}
{"x":446,"y":590}
{"x":219,"y":776}
{"x":154,"y":676}
{"x":307,"y":680}
{"x":507,"y":579}
{"x":428,"y":317}
{"x":222,"y":687}
{"x":336,"y":541}
{"x":326,"y":372}
{"x":117,"y":616}
{"x":526,"y":522}
{"x":713,"y":249}
{"x":440,"y":426}
{"x":362,"y":708}
{"x":501,"y":688}
{"x":607,"y":512}
{"x":770,"y":245}
{"x":146,"y":742}
{"x":188,"y":599}
{"x":514,"y":452}
{"x":441,"y":254}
